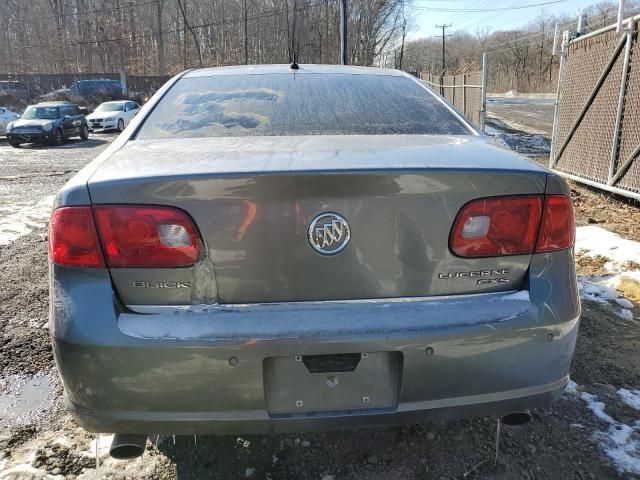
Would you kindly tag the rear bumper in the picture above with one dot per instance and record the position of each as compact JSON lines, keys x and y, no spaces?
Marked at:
{"x":207,"y":371}
{"x":260,"y":422}
{"x":104,"y":125}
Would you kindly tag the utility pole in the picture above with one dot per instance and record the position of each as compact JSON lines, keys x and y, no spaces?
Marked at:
{"x":443,"y":27}
{"x":343,"y":33}
{"x":246,"y":38}
{"x":404,"y":34}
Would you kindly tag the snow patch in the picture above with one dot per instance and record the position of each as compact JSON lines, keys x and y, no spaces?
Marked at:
{"x":624,"y":303}
{"x":620,"y":442}
{"x":592,"y":241}
{"x":19,"y":220}
{"x":104,"y":443}
{"x":625,"y":314}
{"x":630,"y":397}
{"x":274,"y":321}
{"x":602,"y":289}
{"x":595,"y":241}
{"x":22,"y":466}
{"x":522,"y":142}
{"x":623,"y":259}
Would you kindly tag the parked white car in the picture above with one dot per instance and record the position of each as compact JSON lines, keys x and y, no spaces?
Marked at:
{"x":113,"y":115}
{"x":6,"y":117}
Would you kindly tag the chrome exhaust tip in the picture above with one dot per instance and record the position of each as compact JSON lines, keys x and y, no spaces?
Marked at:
{"x":515,"y":419}
{"x":126,"y":446}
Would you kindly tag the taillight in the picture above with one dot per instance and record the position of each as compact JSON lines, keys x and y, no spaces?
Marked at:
{"x":558,"y":228}
{"x":73,"y":240}
{"x":141,"y":236}
{"x":492,"y":227}
{"x":513,"y":225}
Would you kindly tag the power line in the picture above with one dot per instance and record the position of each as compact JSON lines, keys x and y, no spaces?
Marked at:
{"x":560,"y":25}
{"x":480,"y":18}
{"x":461,"y":17}
{"x":481,"y":10}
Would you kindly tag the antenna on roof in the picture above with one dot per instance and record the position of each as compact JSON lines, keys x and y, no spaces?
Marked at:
{"x":294,"y":65}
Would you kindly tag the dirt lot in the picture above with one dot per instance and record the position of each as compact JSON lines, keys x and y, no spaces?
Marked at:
{"x":39,"y":440}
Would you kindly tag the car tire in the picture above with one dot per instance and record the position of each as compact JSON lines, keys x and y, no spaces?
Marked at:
{"x":84,"y":132}
{"x":14,"y":144}
{"x":120,"y":124}
{"x":58,"y":138}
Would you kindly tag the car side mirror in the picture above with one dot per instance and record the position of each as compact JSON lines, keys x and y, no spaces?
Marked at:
{"x":67,"y":117}
{"x":19,"y":116}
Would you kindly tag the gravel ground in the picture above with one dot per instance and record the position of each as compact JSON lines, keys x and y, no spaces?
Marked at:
{"x":39,"y":440}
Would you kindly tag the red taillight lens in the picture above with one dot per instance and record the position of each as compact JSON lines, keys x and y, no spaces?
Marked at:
{"x":558,"y":228}
{"x":491,"y":227}
{"x":139,"y":236}
{"x":73,"y":240}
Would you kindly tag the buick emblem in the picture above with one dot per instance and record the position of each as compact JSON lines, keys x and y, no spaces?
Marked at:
{"x":329,"y":233}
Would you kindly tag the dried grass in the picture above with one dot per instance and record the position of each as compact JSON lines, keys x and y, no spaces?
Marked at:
{"x":586,"y":265}
{"x":630,"y":288}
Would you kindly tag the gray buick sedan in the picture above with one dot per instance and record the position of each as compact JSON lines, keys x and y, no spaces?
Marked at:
{"x":269,"y":249}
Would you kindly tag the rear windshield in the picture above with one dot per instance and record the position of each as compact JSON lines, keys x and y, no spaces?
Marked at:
{"x":304,"y":104}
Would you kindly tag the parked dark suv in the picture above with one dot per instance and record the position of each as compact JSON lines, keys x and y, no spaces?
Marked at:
{"x":103,"y":89}
{"x":16,"y":89}
{"x":48,"y":122}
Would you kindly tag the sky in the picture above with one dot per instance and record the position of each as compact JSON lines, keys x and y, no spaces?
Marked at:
{"x":425,"y":21}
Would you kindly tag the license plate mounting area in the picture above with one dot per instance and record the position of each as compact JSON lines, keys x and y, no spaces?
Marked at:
{"x":327,"y":384}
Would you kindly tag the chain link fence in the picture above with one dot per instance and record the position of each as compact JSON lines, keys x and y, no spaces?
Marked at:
{"x":596,"y":134}
{"x":465,"y":92}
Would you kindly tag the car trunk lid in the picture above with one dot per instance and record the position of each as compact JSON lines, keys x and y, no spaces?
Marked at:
{"x":254,"y":200}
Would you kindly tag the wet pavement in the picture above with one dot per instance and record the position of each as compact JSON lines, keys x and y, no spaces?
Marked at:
{"x":529,"y":115}
{"x":23,"y":398}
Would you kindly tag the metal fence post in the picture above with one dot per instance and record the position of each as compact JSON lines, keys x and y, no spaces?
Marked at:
{"x":483,"y":111}
{"x":556,"y":110}
{"x":620,"y":15}
{"x":453,"y":91}
{"x":464,"y":94}
{"x":615,"y":148}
